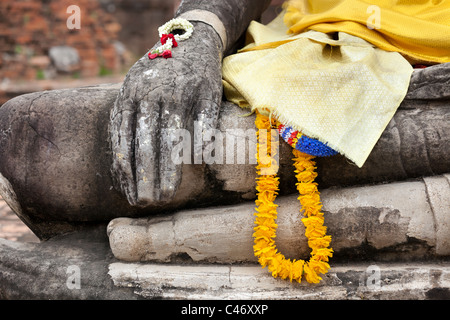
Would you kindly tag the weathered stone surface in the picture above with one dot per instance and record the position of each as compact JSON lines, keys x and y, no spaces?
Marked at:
{"x":355,"y":281}
{"x":56,"y":159}
{"x":235,"y":14}
{"x":438,"y":192}
{"x":49,"y":270}
{"x":159,"y":95}
{"x":397,"y":221}
{"x":174,"y":93}
{"x":430,"y":83}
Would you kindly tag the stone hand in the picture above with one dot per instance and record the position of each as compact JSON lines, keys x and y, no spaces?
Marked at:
{"x":163,"y":94}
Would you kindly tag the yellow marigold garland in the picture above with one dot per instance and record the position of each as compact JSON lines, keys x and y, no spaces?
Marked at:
{"x":265,"y":231}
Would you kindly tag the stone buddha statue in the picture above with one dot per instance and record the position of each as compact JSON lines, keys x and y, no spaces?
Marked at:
{"x":71,"y":158}
{"x":73,"y":161}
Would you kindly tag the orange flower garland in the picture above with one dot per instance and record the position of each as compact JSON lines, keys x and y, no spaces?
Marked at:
{"x":265,"y":231}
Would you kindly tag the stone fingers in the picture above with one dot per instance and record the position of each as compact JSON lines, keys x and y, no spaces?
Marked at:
{"x":158,"y":123}
{"x":122,"y":126}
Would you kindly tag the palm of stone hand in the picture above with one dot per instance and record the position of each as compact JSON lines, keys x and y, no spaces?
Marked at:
{"x":163,"y":94}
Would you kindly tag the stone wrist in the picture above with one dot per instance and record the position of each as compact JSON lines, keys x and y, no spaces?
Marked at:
{"x":209,"y":18}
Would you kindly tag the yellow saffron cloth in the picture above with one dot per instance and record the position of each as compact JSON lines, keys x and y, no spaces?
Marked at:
{"x":331,"y":84}
{"x":419,"y":29}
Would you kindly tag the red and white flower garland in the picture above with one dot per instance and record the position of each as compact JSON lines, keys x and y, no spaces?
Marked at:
{"x":169,"y":40}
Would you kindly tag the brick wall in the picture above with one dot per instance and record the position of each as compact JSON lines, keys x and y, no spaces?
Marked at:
{"x":29,"y":28}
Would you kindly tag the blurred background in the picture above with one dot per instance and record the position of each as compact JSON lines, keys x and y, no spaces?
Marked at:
{"x":38,"y":51}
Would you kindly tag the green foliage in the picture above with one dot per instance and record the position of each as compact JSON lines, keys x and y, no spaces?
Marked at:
{"x":40,"y":75}
{"x":104,"y":71}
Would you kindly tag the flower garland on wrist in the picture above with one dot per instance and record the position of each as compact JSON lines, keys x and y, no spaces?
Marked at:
{"x":265,"y":231}
{"x":169,"y":40}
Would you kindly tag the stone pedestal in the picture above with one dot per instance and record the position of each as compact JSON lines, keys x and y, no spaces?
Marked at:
{"x":81,"y":266}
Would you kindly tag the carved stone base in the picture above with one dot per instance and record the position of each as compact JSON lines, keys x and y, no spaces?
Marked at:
{"x":81,"y":266}
{"x":354,"y":281}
